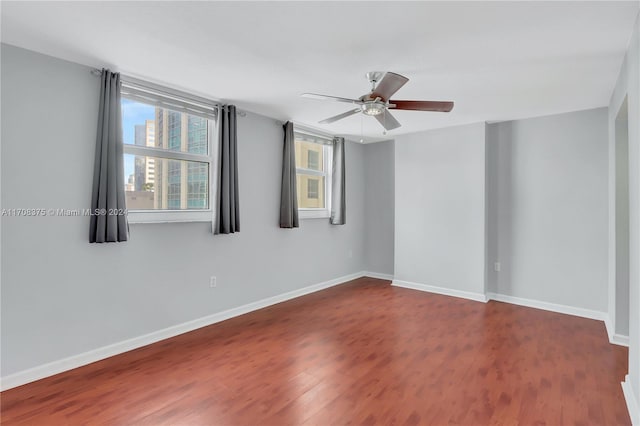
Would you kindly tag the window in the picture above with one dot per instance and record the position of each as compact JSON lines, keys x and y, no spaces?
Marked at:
{"x":313,"y":181}
{"x":313,"y":158}
{"x":312,"y":189}
{"x":168,"y":154}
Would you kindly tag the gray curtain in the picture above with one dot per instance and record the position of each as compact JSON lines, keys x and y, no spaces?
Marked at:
{"x":108,"y":220}
{"x":228,"y":203}
{"x":288,"y":194}
{"x":338,"y":184}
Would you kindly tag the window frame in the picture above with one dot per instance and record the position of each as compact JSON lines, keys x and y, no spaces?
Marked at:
{"x":181,"y":102}
{"x":326,"y":142}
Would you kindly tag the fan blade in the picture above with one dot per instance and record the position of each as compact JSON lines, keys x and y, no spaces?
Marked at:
{"x":331,"y":98}
{"x":440,"y":106}
{"x":340,"y":116}
{"x":388,"y":121}
{"x":390,"y":84}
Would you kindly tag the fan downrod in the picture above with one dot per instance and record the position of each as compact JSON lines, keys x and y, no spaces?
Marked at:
{"x":374,"y":77}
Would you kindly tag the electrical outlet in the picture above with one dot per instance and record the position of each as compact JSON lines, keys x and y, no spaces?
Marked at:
{"x":213,"y":282}
{"x":496,"y":266}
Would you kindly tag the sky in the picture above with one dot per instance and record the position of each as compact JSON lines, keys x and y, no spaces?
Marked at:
{"x":133,"y":113}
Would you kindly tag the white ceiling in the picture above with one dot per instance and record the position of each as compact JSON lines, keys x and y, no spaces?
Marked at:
{"x":496,"y":60}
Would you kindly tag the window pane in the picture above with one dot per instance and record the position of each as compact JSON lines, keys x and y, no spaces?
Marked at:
{"x":148,"y":125}
{"x":309,"y":155}
{"x":310,"y":191}
{"x":153,"y":183}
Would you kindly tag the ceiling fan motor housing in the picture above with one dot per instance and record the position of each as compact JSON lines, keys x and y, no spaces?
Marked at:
{"x":373,"y":108}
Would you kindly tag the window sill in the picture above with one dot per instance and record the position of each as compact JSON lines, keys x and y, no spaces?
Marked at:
{"x":178,"y":216}
{"x":314,"y":214}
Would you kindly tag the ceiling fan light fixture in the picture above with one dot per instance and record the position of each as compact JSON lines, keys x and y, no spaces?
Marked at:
{"x":373,"y":108}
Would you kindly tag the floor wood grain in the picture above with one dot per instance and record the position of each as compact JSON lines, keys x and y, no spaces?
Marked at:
{"x":364,"y":353}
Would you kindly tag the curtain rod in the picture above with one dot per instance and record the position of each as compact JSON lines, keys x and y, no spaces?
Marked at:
{"x":311,"y":131}
{"x":143,"y":83}
{"x":319,"y":133}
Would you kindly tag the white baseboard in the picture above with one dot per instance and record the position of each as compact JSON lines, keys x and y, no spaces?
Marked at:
{"x":615,"y":339}
{"x":479,"y":297}
{"x":620,"y":340}
{"x":75,"y":361}
{"x":553,"y":307}
{"x":610,"y":328}
{"x":378,"y":275}
{"x":632,"y":402}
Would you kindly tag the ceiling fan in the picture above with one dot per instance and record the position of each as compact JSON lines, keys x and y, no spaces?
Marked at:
{"x":377,"y":103}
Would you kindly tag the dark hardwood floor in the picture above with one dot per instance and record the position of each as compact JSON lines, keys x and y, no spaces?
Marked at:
{"x":364,"y":353}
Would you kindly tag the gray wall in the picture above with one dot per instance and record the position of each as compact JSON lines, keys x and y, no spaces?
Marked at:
{"x":379,"y":204}
{"x":440,"y":208}
{"x":494,"y":218}
{"x":551,"y":208}
{"x":628,"y":85}
{"x":621,"y":322}
{"x":62,"y":296}
{"x":529,"y":194}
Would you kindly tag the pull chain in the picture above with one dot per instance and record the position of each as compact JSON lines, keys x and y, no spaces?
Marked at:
{"x":384,"y":120}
